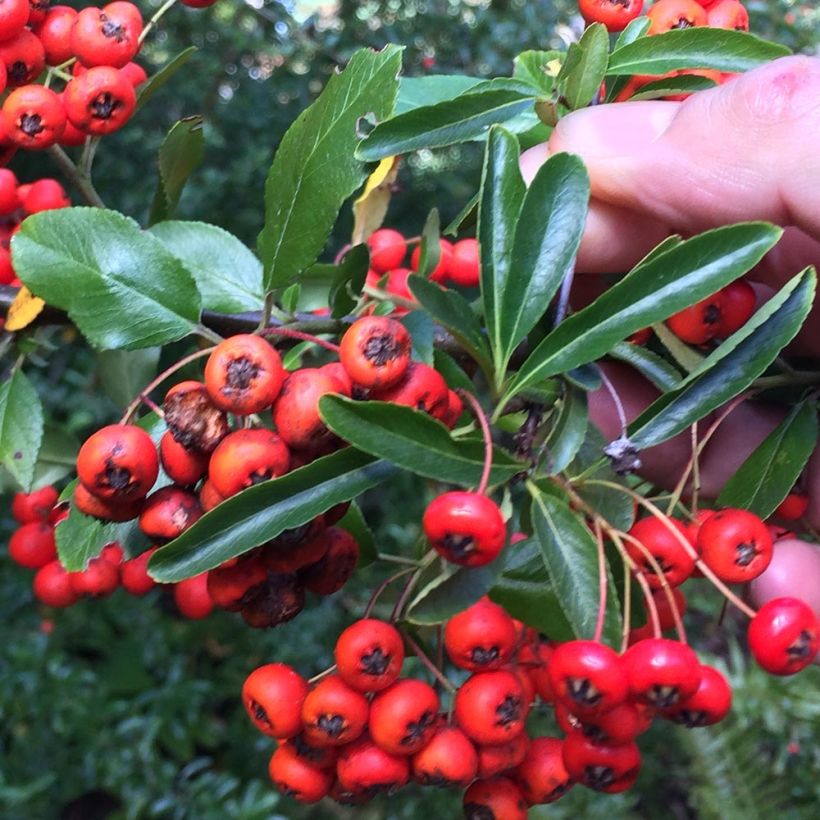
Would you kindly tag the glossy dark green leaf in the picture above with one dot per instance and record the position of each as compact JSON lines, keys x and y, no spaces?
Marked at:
{"x":21,"y":427}
{"x":467,"y":216}
{"x":669,"y":86}
{"x":418,"y":92}
{"x":698,"y":47}
{"x":571,"y":558}
{"x":648,"y":364}
{"x":228,"y":275}
{"x":156,"y":81}
{"x":534,"y":67}
{"x":500,"y":201}
{"x":445,"y":123}
{"x":579,"y":84}
{"x":568,"y":430}
{"x":262,"y":512}
{"x":637,"y":28}
{"x":452,"y":371}
{"x":422,"y":329}
{"x":412,"y":440}
{"x":119,"y":284}
{"x":669,"y":282}
{"x":545,"y":242}
{"x":430,"y":248}
{"x":731,"y":368}
{"x":79,"y":539}
{"x":768,"y":474}
{"x":180,"y":154}
{"x":124,"y":373}
{"x":315,"y":171}
{"x":348,"y":281}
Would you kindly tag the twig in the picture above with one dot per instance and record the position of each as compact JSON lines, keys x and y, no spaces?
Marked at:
{"x":80,"y":181}
{"x":478,"y":412}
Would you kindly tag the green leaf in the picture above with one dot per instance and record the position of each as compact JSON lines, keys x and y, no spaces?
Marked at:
{"x":686,"y":84}
{"x":155,"y":82}
{"x":648,"y":364}
{"x":228,"y":275}
{"x":445,"y":123}
{"x":21,"y":427}
{"x":418,"y":92}
{"x":314,"y":170}
{"x":768,"y":474}
{"x":348,"y":281}
{"x":581,"y":76}
{"x":422,"y":331}
{"x":180,"y":154}
{"x":430,"y":248}
{"x":354,"y":522}
{"x":501,"y":197}
{"x":412,"y":440}
{"x":262,"y":512}
{"x":451,"y":310}
{"x":698,"y":47}
{"x":546,"y":239}
{"x":452,"y":372}
{"x":119,"y":284}
{"x":56,"y":458}
{"x":637,"y":28}
{"x":290,"y":297}
{"x":571,"y":557}
{"x":534,"y":67}
{"x":466,"y":216}
{"x":79,"y":539}
{"x":731,"y":368}
{"x":124,"y":373}
{"x":451,"y":592}
{"x":669,"y":282}
{"x":568,"y":430}
{"x":687,"y":357}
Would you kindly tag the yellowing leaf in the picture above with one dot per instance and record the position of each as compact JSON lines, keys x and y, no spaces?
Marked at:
{"x":24,"y":310}
{"x":553,"y":67}
{"x":370,"y":207}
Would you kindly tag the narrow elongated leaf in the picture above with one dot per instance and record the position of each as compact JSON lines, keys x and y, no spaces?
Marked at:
{"x":546,"y":239}
{"x":348,"y":281}
{"x":445,"y":123}
{"x":649,"y":364}
{"x":180,"y":155}
{"x":568,"y":431}
{"x":419,"y":92}
{"x":669,"y":282}
{"x":228,"y":275}
{"x":769,"y":473}
{"x":580,"y":84}
{"x":314,"y":170}
{"x":501,"y":197}
{"x":21,"y":427}
{"x":155,"y":82}
{"x":119,"y":284}
{"x":262,"y":512}
{"x":724,"y":375}
{"x":430,"y":248}
{"x":685,"y":84}
{"x":697,"y":47}
{"x":637,"y":28}
{"x":571,"y":558}
{"x":412,"y":440}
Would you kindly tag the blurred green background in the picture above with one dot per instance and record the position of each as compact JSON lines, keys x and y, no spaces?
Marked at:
{"x":120,"y":709}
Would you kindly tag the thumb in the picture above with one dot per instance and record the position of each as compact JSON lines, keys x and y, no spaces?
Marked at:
{"x":744,"y":150}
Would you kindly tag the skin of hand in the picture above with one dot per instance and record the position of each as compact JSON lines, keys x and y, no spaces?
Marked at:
{"x":745,"y":150}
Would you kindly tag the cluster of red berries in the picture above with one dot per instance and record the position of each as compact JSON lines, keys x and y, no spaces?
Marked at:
{"x":457,"y":264}
{"x":16,"y":203}
{"x":32,"y":545}
{"x":98,"y":97}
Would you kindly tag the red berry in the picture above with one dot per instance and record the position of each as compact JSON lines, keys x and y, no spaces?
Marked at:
{"x":784,"y":636}
{"x":534,"y":659}
{"x":422,"y":388}
{"x":310,"y":546}
{"x":99,"y":579}
{"x":14,"y":15}
{"x":441,"y":271}
{"x":192,"y":599}
{"x":793,"y":507}
{"x":619,"y":725}
{"x":99,"y":101}
{"x":375,"y":351}
{"x":297,"y":778}
{"x":193,"y":419}
{"x":449,"y":759}
{"x":387,"y":250}
{"x":168,"y":512}
{"x":369,"y":655}
{"x":604,"y":768}
{"x":710,"y":703}
{"x":465,"y":528}
{"x":34,"y":506}
{"x":108,"y":36}
{"x":134,"y":73}
{"x":134,"y":575}
{"x":333,"y":714}
{"x":403,"y":717}
{"x":247,"y":457}
{"x":55,"y":34}
{"x":32,"y":545}
{"x":673,"y":559}
{"x":113,"y":553}
{"x":736,"y":545}
{"x":183,"y":466}
{"x":738,"y":304}
{"x":494,"y":799}
{"x":229,"y":584}
{"x":52,"y":586}
{"x":481,"y":637}
{"x":729,"y":14}
{"x":464,"y":264}
{"x":9,"y":198}
{"x":666,"y":15}
{"x":366,"y":769}
{"x":699,"y":323}
{"x":490,"y":707}
{"x":273,"y":696}
{"x":112,"y":510}
{"x":493,"y":760}
{"x":332,"y":571}
{"x":662,"y":672}
{"x":44,"y":195}
{"x":33,"y":116}
{"x":296,"y":411}
{"x":542,"y":776}
{"x":24,"y":58}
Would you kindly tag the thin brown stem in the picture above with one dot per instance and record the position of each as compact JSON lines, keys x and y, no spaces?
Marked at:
{"x":602,"y":583}
{"x":428,"y":664}
{"x":382,"y":587}
{"x":290,"y":333}
{"x":481,"y":416}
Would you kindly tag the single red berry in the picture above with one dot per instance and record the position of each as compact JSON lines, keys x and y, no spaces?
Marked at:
{"x":244,"y":374}
{"x":278,"y":600}
{"x":642,"y":336}
{"x":296,"y":778}
{"x":24,"y":58}
{"x":55,"y":34}
{"x":441,"y":271}
{"x":375,"y":351}
{"x":494,"y":799}
{"x":321,"y":757}
{"x":422,"y":388}
{"x":193,"y":419}
{"x":448,"y":760}
{"x":134,"y":575}
{"x":662,"y":672}
{"x":44,"y":195}
{"x":7,"y":273}
{"x":534,"y":658}
{"x":108,"y":36}
{"x":729,"y":14}
{"x":9,"y":197}
{"x":192,"y":599}
{"x":455,"y":407}
{"x":793,"y":506}
{"x":588,"y":677}
{"x":490,"y":707}
{"x":672,"y":558}
{"x":306,"y":550}
{"x":366,"y":769}
{"x":208,"y":496}
{"x":465,"y":528}
{"x":99,"y":579}
{"x":784,"y":636}
{"x":738,"y":303}
{"x":387,"y":250}
{"x":114,"y":509}
{"x":396,"y":285}
{"x":464,"y":264}
{"x":273,"y":695}
{"x":664,"y":607}
{"x":616,"y":15}
{"x":229,"y":584}
{"x":335,"y":369}
{"x":619,"y":725}
{"x":14,"y":14}
{"x":114,"y":554}
{"x":604,"y":768}
{"x":168,"y":512}
{"x":496,"y":759}
{"x":52,"y":586}
{"x":666,"y":15}
{"x":369,"y":655}
{"x":100,"y":101}
{"x":34,"y":117}
{"x":333,"y":714}
{"x":183,"y":466}
{"x":481,"y":637}
{"x":542,"y":776}
{"x":332,"y":571}
{"x":735,"y":545}
{"x":34,"y":506}
{"x":699,"y":323}
{"x":32,"y":545}
{"x":296,"y":411}
{"x":247,"y":457}
{"x":710,"y":703}
{"x":134,"y":73}
{"x":403,"y":717}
